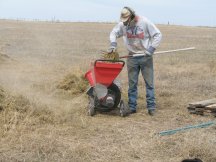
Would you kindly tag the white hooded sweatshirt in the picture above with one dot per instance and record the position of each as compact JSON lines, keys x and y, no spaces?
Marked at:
{"x":139,"y":37}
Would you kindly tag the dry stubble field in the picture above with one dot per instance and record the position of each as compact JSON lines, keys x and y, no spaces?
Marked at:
{"x":41,"y":122}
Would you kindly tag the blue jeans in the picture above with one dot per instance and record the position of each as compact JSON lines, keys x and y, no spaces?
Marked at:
{"x":134,"y":66}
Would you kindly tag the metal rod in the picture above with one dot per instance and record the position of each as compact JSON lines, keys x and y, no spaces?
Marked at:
{"x":159,"y":52}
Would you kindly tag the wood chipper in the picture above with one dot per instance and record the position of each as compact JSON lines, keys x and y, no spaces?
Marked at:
{"x":104,"y":94}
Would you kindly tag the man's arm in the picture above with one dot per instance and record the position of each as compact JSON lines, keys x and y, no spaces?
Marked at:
{"x":117,"y":32}
{"x":155,"y":36}
{"x":154,"y":33}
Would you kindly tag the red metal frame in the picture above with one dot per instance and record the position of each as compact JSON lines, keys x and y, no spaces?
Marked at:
{"x":104,"y":72}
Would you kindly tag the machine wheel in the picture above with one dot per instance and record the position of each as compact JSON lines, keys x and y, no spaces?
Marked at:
{"x":114,"y":89}
{"x":91,"y":107}
{"x":124,"y":109}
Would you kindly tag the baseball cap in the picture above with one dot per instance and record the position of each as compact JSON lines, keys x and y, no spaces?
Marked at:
{"x":125,"y":15}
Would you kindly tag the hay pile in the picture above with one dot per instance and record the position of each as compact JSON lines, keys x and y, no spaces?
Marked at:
{"x":12,"y":111}
{"x":18,"y":111}
{"x":74,"y":83}
{"x":2,"y":96}
{"x":114,"y":56}
{"x":3,"y":57}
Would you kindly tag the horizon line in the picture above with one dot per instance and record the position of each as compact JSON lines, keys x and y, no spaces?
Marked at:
{"x":89,"y":21}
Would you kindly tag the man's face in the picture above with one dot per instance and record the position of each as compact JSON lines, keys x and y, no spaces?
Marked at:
{"x":126,"y":23}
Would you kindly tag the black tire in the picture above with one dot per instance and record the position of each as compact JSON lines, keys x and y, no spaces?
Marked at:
{"x":91,"y":107}
{"x":114,"y":89}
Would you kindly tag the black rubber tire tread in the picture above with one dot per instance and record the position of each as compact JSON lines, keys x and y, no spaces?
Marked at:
{"x":114,"y":88}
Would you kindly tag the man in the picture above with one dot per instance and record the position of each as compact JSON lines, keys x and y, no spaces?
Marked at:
{"x":140,"y":36}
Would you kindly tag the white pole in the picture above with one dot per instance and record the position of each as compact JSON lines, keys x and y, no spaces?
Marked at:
{"x":162,"y":52}
{"x":176,"y":50}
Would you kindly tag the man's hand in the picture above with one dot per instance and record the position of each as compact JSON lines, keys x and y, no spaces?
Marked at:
{"x":111,"y":50}
{"x":149,"y":51}
{"x":112,"y":47}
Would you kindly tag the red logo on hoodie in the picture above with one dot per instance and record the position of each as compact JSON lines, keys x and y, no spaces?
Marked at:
{"x":135,"y":32}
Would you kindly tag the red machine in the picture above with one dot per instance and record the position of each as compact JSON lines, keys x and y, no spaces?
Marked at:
{"x":104,"y":94}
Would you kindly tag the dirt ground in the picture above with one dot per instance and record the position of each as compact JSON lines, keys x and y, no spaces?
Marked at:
{"x":40,"y":122}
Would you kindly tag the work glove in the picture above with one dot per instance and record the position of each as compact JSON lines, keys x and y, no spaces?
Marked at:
{"x":112,"y":48}
{"x":149,"y":51}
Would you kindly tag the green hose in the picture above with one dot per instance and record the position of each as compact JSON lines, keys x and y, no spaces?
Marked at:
{"x":173,"y":131}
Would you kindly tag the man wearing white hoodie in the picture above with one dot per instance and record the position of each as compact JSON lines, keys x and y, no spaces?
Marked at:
{"x":140,"y":36}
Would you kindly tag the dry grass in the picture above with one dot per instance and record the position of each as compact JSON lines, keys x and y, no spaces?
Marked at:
{"x":40,"y":122}
{"x":74,"y":82}
{"x":17,"y":111}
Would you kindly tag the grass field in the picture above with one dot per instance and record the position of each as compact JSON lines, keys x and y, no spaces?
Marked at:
{"x":41,"y":121}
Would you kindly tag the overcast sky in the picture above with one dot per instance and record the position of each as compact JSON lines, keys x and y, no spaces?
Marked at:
{"x":179,"y":12}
